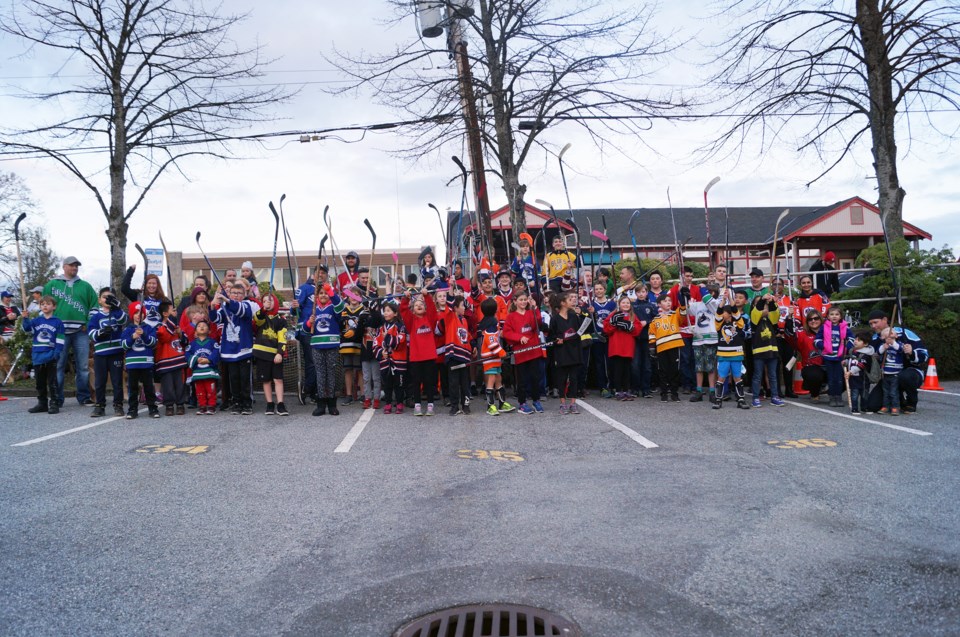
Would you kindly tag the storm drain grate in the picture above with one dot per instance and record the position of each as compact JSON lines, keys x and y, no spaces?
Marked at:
{"x":490,"y":620}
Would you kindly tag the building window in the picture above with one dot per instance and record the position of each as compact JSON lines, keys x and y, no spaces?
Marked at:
{"x":856,"y":215}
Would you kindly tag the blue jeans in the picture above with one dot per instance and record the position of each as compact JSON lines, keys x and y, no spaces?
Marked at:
{"x":891,"y":391}
{"x":770,"y":365}
{"x":640,"y":370}
{"x":79,"y":342}
{"x":687,"y":374}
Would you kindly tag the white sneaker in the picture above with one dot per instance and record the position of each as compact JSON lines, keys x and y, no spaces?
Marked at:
{"x":417,"y":411}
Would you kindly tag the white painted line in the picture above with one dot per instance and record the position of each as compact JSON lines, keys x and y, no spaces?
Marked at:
{"x":355,"y":431}
{"x":866,"y":420}
{"x":627,"y":431}
{"x":946,"y":393}
{"x":70,"y":431}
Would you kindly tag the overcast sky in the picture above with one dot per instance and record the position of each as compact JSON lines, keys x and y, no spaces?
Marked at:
{"x":227,"y":201}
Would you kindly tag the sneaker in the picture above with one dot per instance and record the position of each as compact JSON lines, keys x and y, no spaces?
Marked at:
{"x":717,"y":404}
{"x":181,"y":410}
{"x":366,"y":403}
{"x":855,"y":411}
{"x":446,"y":402}
{"x":455,"y":410}
{"x":574,"y":410}
{"x":348,"y":400}
{"x":628,"y":397}
{"x":674,"y":398}
{"x":537,"y":407}
{"x":492,"y":411}
{"x":756,"y":403}
{"x":202,"y":411}
{"x":54,"y":408}
{"x":282,"y":410}
{"x":168,"y":410}
{"x":776,"y":402}
{"x":742,"y":404}
{"x":154,"y":412}
{"x":506,"y":408}
{"x":118,"y":410}
{"x":697,"y":397}
{"x":246,"y":411}
{"x":429,"y":409}
{"x":466,"y":409}
{"x":398,"y":409}
{"x":88,"y":402}
{"x":525,"y":409}
{"x":466,"y":401}
{"x":894,"y":411}
{"x":908,"y":410}
{"x":235,"y":410}
{"x":883,"y":411}
{"x":647,"y":394}
{"x":211,"y":411}
{"x":269,"y":411}
{"x":388,"y":408}
{"x":376,"y":403}
{"x":664,"y":398}
{"x":131,"y":415}
{"x":606,"y":393}
{"x":98,"y":411}
{"x":416,"y":410}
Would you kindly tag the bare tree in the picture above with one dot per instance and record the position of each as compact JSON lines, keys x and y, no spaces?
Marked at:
{"x":165,"y":84}
{"x":846,"y":69}
{"x":536,"y":60}
{"x":15,"y":198}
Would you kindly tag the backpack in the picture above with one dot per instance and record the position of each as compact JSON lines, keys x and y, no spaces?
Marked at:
{"x":874,"y":369}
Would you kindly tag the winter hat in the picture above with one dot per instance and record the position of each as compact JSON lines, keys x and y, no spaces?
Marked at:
{"x":829,"y":257}
{"x":197,"y":291}
{"x":246,"y":265}
{"x":877,"y":314}
{"x":353,"y":254}
{"x":524,"y":236}
{"x":134,"y":308}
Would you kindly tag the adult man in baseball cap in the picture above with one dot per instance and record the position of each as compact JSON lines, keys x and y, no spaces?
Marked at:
{"x":829,"y":281}
{"x":75,"y":298}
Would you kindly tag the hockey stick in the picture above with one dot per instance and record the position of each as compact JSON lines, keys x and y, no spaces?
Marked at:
{"x":564,"y":178}
{"x":773,"y":247}
{"x":167,"y":266}
{"x":276,"y":235}
{"x":603,"y":219}
{"x":669,"y":258}
{"x":593,"y":266}
{"x":726,"y":247}
{"x":13,"y":366}
{"x":676,"y":242}
{"x":633,"y":239}
{"x":209,"y":265}
{"x":373,"y":249}
{"x":16,"y":236}
{"x":143,"y":288}
{"x":706,"y":214}
{"x":480,"y":230}
{"x":584,"y":326}
{"x":294,"y":270}
{"x":577,"y":254}
{"x":443,"y":233}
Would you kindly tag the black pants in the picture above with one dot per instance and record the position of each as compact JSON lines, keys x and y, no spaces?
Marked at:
{"x":813,"y":378}
{"x":172,"y":387}
{"x":109,"y":366}
{"x":136,"y":377}
{"x":566,"y":380}
{"x":46,"y":377}
{"x":619,"y":367}
{"x":668,"y":367}
{"x":423,"y":378}
{"x":444,"y":379}
{"x":459,"y":380}
{"x":392,"y":382}
{"x":528,"y":380}
{"x":238,"y":378}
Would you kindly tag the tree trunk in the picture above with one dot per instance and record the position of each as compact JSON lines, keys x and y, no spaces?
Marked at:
{"x":515,"y":192}
{"x":882,"y":116}
{"x":117,"y":236}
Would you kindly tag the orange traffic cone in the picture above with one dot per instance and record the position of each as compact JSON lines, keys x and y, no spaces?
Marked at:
{"x":931,"y":382}
{"x":798,"y":380}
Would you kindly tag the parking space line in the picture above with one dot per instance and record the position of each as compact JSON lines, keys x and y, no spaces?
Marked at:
{"x":69,"y":431}
{"x":916,"y":432}
{"x":945,"y":393}
{"x":355,"y":431}
{"x":627,"y":431}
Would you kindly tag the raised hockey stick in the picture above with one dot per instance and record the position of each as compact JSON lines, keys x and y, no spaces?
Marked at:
{"x":143,"y":288}
{"x":276,"y":235}
{"x":373,"y":249}
{"x":443,"y":233}
{"x":16,"y":236}
{"x":773,"y":247}
{"x":166,"y":260}
{"x":209,"y":265}
{"x":706,"y":214}
{"x":676,"y":242}
{"x":633,"y":239}
{"x":294,"y":269}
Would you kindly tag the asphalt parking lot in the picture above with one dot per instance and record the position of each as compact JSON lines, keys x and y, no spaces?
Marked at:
{"x":635,"y":518}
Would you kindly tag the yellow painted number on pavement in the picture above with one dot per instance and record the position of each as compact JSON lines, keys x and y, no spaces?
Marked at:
{"x":481,"y":454}
{"x":803,"y":443}
{"x":190,"y":449}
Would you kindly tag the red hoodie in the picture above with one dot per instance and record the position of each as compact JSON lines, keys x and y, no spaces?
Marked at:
{"x":519,"y":325}
{"x":420,"y":330}
{"x":620,"y":342}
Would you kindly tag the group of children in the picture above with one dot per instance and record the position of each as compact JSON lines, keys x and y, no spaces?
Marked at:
{"x":454,"y":337}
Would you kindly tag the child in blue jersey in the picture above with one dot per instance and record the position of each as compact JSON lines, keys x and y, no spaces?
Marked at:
{"x":235,"y":318}
{"x":105,"y":327}
{"x":138,"y":340}
{"x":891,"y":353}
{"x":600,"y":308}
{"x":524,"y":265}
{"x":203,"y":356}
{"x":48,"y":342}
{"x":324,"y":329}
